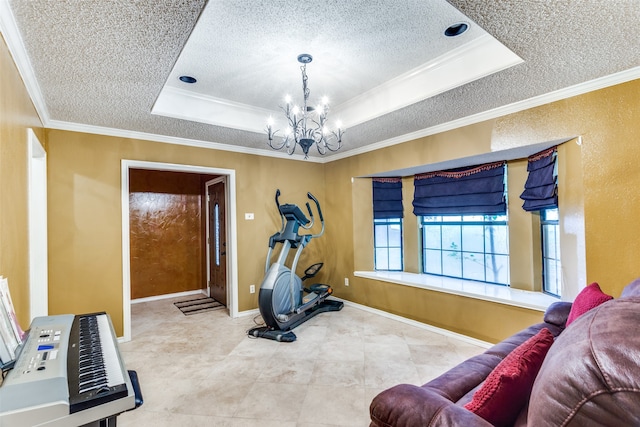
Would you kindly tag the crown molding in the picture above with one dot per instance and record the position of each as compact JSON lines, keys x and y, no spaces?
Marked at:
{"x":19,"y":53}
{"x":558,"y":95}
{"x":122,"y":133}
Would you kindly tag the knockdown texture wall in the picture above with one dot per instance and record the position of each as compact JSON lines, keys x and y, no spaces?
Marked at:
{"x":85,"y":257}
{"x":85,"y":245}
{"x":599,"y":201}
{"x":17,"y":114}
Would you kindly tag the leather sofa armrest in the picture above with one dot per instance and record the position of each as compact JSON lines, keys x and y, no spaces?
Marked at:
{"x":557,"y":313}
{"x":407,"y":405}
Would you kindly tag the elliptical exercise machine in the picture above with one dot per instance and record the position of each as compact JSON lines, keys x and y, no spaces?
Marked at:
{"x":284,"y":303}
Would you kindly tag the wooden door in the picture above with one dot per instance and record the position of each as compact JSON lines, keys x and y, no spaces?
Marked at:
{"x":217,"y":240}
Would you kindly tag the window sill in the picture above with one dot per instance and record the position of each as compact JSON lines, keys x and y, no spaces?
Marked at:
{"x":466,"y":288}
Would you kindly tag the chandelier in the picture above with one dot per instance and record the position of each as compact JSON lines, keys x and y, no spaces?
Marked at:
{"x":306,"y":126}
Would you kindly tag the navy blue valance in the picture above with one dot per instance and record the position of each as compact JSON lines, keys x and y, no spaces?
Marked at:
{"x":541,"y":188}
{"x":477,"y":190}
{"x":387,"y":198}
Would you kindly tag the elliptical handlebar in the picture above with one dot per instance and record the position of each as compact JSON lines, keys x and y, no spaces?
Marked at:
{"x":313,"y":220}
{"x":312,"y":197}
{"x":278,"y":206}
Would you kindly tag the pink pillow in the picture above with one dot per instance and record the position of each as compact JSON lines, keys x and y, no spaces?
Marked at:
{"x":507,"y":388}
{"x":588,"y":298}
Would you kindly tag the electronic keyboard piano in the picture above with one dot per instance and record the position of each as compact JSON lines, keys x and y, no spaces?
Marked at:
{"x":69,"y":373}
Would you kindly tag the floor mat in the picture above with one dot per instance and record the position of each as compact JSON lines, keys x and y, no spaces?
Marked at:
{"x":198,"y":305}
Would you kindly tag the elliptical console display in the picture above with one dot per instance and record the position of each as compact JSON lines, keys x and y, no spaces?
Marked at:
{"x":283,"y":300}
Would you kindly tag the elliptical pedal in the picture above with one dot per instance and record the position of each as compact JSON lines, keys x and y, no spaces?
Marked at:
{"x":272,"y":334}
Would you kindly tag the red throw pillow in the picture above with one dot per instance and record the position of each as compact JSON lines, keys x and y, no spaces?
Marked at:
{"x":588,"y":298}
{"x":507,"y":388}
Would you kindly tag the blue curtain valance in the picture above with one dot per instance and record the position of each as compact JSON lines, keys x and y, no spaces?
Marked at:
{"x":477,"y":190}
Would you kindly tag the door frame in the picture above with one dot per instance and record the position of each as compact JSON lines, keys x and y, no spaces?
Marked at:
{"x":222,"y":179}
{"x":232,"y":251}
{"x":37,"y":212}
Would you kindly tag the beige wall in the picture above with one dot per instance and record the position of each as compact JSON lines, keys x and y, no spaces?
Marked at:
{"x":85,"y":245}
{"x":17,"y":114}
{"x":598,"y":200}
{"x":598,"y":193}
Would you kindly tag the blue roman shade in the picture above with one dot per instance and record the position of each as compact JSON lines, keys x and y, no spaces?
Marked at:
{"x":387,"y":198}
{"x":476,"y":190}
{"x":541,"y":188}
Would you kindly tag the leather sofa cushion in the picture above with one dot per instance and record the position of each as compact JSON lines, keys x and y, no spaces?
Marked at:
{"x":591,"y":375}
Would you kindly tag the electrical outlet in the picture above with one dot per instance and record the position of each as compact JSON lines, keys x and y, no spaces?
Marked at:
{"x":252,"y":289}
{"x":248,"y":216}
{"x":346,"y":281}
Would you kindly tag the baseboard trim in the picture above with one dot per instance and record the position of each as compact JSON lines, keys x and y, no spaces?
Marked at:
{"x":441,"y":331}
{"x":167,"y":296}
{"x":246,"y":313}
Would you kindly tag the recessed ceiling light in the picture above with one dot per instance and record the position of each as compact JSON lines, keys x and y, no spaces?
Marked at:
{"x":188,"y":79}
{"x":456,"y":29}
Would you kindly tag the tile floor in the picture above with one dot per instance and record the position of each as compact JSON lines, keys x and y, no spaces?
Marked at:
{"x":203,"y":370}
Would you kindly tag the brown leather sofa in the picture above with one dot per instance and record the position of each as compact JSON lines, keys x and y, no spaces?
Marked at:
{"x":589,"y":377}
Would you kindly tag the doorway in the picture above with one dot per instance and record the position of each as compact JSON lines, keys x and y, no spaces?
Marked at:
{"x":230,"y":239}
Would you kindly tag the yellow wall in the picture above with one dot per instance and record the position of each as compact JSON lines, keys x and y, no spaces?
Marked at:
{"x":598,"y":193}
{"x":17,"y":114}
{"x":598,"y":204}
{"x":85,"y":245}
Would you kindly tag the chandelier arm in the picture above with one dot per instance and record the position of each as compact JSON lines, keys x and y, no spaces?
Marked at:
{"x":291,"y":148}
{"x":338,"y":141}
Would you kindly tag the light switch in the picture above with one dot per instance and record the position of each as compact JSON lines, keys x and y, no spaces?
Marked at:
{"x":248,"y":216}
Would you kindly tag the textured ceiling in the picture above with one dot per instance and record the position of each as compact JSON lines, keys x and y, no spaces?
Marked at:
{"x":103,"y":64}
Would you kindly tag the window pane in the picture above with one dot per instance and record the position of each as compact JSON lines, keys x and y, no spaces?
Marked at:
{"x":432,"y":236}
{"x":395,"y":235}
{"x":432,"y":218}
{"x":451,"y":263}
{"x":395,"y":259}
{"x":473,"y":238}
{"x":473,"y":266}
{"x":551,"y":277}
{"x":216,"y":220}
{"x":382,"y":259}
{"x":388,"y":243}
{"x":473,"y":247}
{"x":497,"y":268}
{"x":496,"y":239}
{"x":451,"y":237}
{"x":549,"y":240}
{"x":550,"y":214}
{"x":381,"y":235}
{"x":433,"y":262}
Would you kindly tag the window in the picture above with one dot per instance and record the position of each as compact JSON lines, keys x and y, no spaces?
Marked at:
{"x":551,"y":267}
{"x":473,"y":247}
{"x":387,"y":240}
